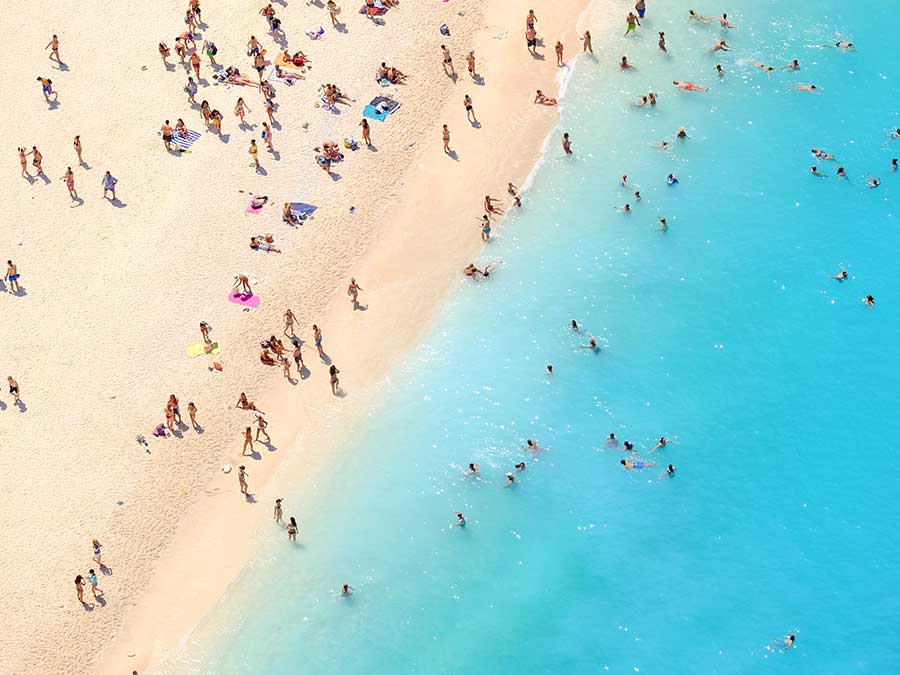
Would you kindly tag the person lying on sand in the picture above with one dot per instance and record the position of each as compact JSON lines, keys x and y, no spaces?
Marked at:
{"x":263,"y":243}
{"x":543,"y":100}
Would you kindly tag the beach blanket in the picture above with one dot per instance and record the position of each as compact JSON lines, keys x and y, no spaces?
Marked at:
{"x":302,"y":210}
{"x":245,"y":299}
{"x":286,"y":80}
{"x":251,"y":209}
{"x":185,"y":142}
{"x":198,"y":348}
{"x":377,"y":10}
{"x":380,"y":107}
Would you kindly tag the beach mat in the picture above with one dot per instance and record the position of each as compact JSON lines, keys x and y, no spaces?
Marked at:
{"x":249,"y":208}
{"x":245,"y":299}
{"x":301,"y":209}
{"x":185,"y":143}
{"x":380,"y":107}
{"x":199,"y":348}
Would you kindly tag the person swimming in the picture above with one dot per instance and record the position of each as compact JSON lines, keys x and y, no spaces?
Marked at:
{"x":869,"y":301}
{"x":532,"y":445}
{"x":670,"y":470}
{"x":672,"y":179}
{"x":841,"y":173}
{"x":612,"y":441}
{"x":692,"y":15}
{"x":873,"y":182}
{"x":549,"y":369}
{"x":592,"y":343}
{"x":821,"y":154}
{"x":636,"y":464}
{"x":473,"y":469}
{"x":574,"y":325}
{"x":894,"y":164}
{"x":520,"y":466}
{"x":814,"y":170}
{"x":460,"y":519}
{"x":510,"y":479}
{"x":840,"y":276}
{"x":663,"y":442}
{"x":689,"y":86}
{"x":628,"y":446}
{"x":682,"y":134}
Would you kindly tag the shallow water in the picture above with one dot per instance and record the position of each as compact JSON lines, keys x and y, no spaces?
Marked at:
{"x":723,"y":333}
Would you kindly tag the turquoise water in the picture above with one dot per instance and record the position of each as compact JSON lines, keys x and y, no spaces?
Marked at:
{"x":723,"y":333}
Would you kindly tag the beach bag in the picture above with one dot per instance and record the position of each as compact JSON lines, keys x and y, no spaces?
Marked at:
{"x":445,"y":29}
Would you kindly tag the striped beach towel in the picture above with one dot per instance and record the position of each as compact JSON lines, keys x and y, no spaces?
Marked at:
{"x":183,"y":142}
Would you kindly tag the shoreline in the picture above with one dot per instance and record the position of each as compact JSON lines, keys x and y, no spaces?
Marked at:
{"x":176,"y":628}
{"x":175,"y":519}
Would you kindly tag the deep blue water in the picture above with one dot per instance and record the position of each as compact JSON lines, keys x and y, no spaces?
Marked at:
{"x":724,"y":333}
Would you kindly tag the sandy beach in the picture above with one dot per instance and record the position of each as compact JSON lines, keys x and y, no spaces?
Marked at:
{"x":113,"y":292}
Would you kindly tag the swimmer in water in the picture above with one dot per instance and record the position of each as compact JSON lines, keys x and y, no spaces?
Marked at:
{"x":347,"y":589}
{"x":699,"y":17}
{"x":893,"y":164}
{"x":762,"y":66}
{"x":843,"y":45}
{"x":624,"y":65}
{"x":793,"y":65}
{"x":689,"y":86}
{"x":719,"y":71}
{"x":873,"y":182}
{"x":637,"y":195}
{"x":663,"y":442}
{"x":672,"y":179}
{"x":789,"y":641}
{"x":868,"y":301}
{"x":592,"y":344}
{"x":814,"y":170}
{"x":612,"y":441}
{"x":624,"y":209}
{"x":460,"y":519}
{"x":574,"y":325}
{"x":628,"y":446}
{"x":629,"y":464}
{"x":720,"y":45}
{"x":652,"y":97}
{"x":670,"y":470}
{"x":723,"y":22}
{"x":641,"y":103}
{"x":821,"y":154}
{"x":550,"y":369}
{"x":473,"y":469}
{"x":841,"y":173}
{"x":811,"y":88}
{"x":510,"y":479}
{"x":624,"y":181}
{"x":664,"y":145}
{"x":682,"y":134}
{"x":663,"y":225}
{"x":532,"y":445}
{"x":662,"y":41}
{"x":520,"y":466}
{"x":840,"y":276}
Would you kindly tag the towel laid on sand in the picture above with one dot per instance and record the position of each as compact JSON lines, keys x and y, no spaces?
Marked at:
{"x":380,"y":107}
{"x":185,"y":142}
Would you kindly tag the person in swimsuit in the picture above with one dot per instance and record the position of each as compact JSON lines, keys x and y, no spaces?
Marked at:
{"x":485,"y":228}
{"x":814,"y":170}
{"x":70,"y":182}
{"x":893,"y":165}
{"x":574,"y":325}
{"x":510,"y":479}
{"x":242,"y":478}
{"x":460,"y":519}
{"x":670,"y":470}
{"x":195,"y":63}
{"x":261,"y":425}
{"x":36,"y":159}
{"x":612,"y":441}
{"x":167,"y":135}
{"x":532,"y":446}
{"x":333,"y":376}
{"x":663,"y":225}
{"x":586,"y":45}
{"x":53,"y":46}
{"x":811,"y":88}
{"x":793,"y":65}
{"x":843,"y":45}
{"x":531,"y":19}
{"x":292,"y":529}
{"x":789,"y":642}
{"x":79,"y":588}
{"x":869,"y":301}
{"x":631,"y":23}
{"x":109,"y":185}
{"x":347,"y":590}
{"x":539,"y":97}
{"x":567,"y":144}
{"x":192,"y":413}
{"x":317,"y":337}
{"x":47,"y":88}
{"x":689,"y":86}
{"x":92,"y":580}
{"x":698,"y":17}
{"x":840,"y":276}
{"x":470,"y":112}
{"x":446,"y":138}
{"x":663,"y":442}
{"x":353,"y":291}
{"x":641,"y":7}
{"x":559,"y":54}
{"x":13,"y":389}
{"x":12,"y":276}
{"x":720,"y":45}
{"x":662,"y":41}
{"x":448,"y":62}
{"x":592,"y":343}
{"x":95,"y":549}
{"x":333,"y":11}
{"x":23,"y":162}
{"x":723,"y":22}
{"x":531,"y":40}
{"x":636,"y":464}
{"x":624,"y":65}
{"x":821,"y":154}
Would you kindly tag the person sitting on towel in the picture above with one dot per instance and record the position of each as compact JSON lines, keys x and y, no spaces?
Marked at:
{"x":289,"y":216}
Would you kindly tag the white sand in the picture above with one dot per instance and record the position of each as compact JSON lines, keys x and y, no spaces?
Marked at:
{"x":113,"y":295}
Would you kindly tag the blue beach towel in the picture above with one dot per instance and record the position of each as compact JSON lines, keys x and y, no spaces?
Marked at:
{"x":380,"y":107}
{"x":301,"y":209}
{"x":183,"y":142}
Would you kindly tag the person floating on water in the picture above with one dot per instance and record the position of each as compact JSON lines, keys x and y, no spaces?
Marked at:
{"x":637,"y":464}
{"x":689,"y":86}
{"x":821,"y":154}
{"x":840,"y":276}
{"x":692,"y":15}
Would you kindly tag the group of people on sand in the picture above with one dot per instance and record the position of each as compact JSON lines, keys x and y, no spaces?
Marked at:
{"x":91,"y":577}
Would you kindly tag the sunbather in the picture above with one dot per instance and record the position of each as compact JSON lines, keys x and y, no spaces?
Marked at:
{"x":288,"y":216}
{"x":260,"y":243}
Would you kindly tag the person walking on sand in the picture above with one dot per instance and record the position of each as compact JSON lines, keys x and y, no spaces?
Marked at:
{"x":254,"y":153}
{"x":335,"y":382}
{"x":531,"y":40}
{"x":267,"y":136}
{"x":353,"y":291}
{"x":317,"y":337}
{"x":195,"y":64}
{"x":167,"y":132}
{"x":92,"y":580}
{"x":448,"y":62}
{"x":70,"y":182}
{"x":12,"y":276}
{"x":53,"y":46}
{"x":567,"y":144}
{"x":242,"y":478}
{"x":470,"y":64}
{"x":292,"y":529}
{"x":109,"y":185}
{"x":248,"y":441}
{"x":79,"y":588}
{"x":559,"y":54}
{"x":96,"y":546}
{"x":191,"y":90}
{"x":13,"y":389}
{"x":289,"y":322}
{"x":242,"y":281}
{"x":277,"y":516}
{"x":36,"y":159}
{"x":23,"y":162}
{"x":241,"y":109}
{"x":586,"y":45}
{"x":365,"y":132}
{"x":261,"y":425}
{"x":298,"y":356}
{"x":470,"y":111}
{"x":77,"y":145}
{"x":333,"y":11}
{"x":192,"y":413}
{"x":47,"y":88}
{"x":286,"y":369}
{"x":446,"y":140}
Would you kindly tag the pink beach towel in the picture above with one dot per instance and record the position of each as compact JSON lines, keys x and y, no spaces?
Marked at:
{"x":245,"y":299}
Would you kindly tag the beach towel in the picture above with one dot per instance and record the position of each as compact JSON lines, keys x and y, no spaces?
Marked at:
{"x":377,"y":10}
{"x":380,"y":107}
{"x":185,"y":142}
{"x":251,"y":209}
{"x":302,"y":210}
{"x":199,"y":348}
{"x":245,"y":299}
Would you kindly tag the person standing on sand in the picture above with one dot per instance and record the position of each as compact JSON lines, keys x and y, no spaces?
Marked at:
{"x":13,"y":389}
{"x":446,"y":140}
{"x":353,"y":291}
{"x":47,"y":88}
{"x":109,"y":185}
{"x":289,"y":321}
{"x":286,"y":368}
{"x":335,"y":382}
{"x":242,"y":281}
{"x":485,"y":228}
{"x":277,"y":516}
{"x":195,"y":63}
{"x":267,"y":136}
{"x":191,"y":90}
{"x":53,"y":46}
{"x":261,"y":425}
{"x":586,"y":45}
{"x":167,"y":135}
{"x":12,"y":276}
{"x":298,"y":356}
{"x":95,"y":548}
{"x":567,"y":144}
{"x":248,"y":441}
{"x":531,"y":19}
{"x":292,"y":529}
{"x":254,"y":153}
{"x":448,"y":62}
{"x":92,"y":580}
{"x":79,"y":588}
{"x":242,"y":478}
{"x":470,"y":111}
{"x":23,"y":162}
{"x":36,"y":159}
{"x":559,"y":54}
{"x":70,"y":182}
{"x":365,"y":132}
{"x":192,"y":412}
{"x":173,"y":406}
{"x":317,"y":337}
{"x":77,"y":144}
{"x":531,"y":40}
{"x":470,"y":64}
